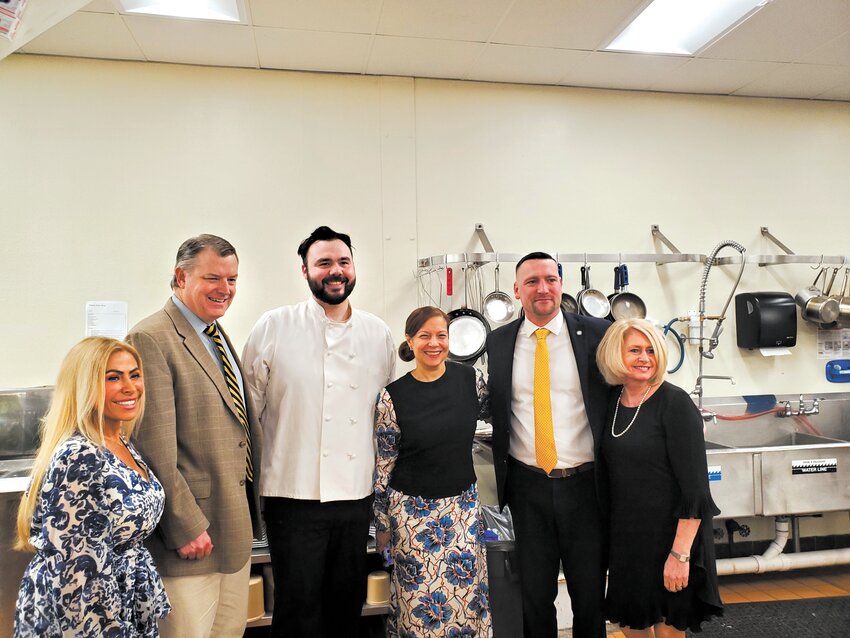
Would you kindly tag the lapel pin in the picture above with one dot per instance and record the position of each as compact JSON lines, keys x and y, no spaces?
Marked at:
{"x":578,"y":332}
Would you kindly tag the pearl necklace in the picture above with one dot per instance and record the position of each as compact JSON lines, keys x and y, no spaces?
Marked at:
{"x":634,"y":418}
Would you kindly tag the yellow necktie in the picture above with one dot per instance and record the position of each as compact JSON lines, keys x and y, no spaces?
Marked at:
{"x":544,"y":433}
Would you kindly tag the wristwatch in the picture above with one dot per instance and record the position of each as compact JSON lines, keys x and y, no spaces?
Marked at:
{"x":682,"y":558}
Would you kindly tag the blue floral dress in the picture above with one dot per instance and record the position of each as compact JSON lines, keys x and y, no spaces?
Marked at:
{"x":439,"y":578}
{"x":92,"y":575}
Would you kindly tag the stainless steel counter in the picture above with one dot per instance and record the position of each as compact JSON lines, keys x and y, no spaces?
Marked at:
{"x":12,"y":563}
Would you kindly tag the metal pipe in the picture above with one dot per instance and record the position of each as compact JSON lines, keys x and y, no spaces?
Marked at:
{"x":774,"y":560}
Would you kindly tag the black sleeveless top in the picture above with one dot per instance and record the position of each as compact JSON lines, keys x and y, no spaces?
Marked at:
{"x":437,"y":420}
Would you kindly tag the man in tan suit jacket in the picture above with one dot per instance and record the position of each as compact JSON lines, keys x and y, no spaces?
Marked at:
{"x":194,"y":439}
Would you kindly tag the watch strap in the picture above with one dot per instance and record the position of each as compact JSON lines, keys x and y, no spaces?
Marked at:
{"x":682,"y":558}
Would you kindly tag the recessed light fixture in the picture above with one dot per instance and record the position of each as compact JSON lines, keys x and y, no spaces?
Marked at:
{"x":217,"y":10}
{"x":682,"y":27}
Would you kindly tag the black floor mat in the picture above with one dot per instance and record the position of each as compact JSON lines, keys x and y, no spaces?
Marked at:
{"x":807,"y":618}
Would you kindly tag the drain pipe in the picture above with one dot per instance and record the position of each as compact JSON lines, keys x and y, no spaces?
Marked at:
{"x":774,"y":560}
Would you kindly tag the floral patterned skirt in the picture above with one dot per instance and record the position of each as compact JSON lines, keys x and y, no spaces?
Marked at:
{"x":440,"y":568}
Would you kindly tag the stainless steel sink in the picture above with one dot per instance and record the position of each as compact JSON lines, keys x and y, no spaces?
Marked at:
{"x":774,"y":465}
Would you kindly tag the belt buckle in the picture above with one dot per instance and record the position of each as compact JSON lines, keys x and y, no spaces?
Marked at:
{"x":563,"y":472}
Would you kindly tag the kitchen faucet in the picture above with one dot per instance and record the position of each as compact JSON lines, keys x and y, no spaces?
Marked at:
{"x":802,"y":410}
{"x":707,"y":352}
{"x":707,"y":415}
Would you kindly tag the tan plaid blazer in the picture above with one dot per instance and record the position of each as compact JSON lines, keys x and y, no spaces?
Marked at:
{"x":191,"y":437}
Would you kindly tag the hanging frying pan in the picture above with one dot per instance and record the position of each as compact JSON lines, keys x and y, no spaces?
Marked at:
{"x":591,"y":301}
{"x":616,"y":290}
{"x":498,"y":306}
{"x":627,"y":305}
{"x":568,"y":302}
{"x":468,"y":330}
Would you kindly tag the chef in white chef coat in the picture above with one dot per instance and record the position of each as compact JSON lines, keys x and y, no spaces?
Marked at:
{"x":314,"y":370}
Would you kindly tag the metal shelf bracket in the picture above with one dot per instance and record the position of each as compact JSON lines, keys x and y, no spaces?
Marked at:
{"x":482,"y":236}
{"x":766,"y":233}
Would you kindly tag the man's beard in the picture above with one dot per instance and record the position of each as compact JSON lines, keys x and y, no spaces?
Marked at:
{"x":318,"y":289}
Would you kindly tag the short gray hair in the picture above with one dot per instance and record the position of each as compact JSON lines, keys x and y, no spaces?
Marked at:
{"x":189,"y":250}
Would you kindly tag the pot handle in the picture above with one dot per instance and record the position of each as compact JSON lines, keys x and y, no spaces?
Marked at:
{"x":617,"y":280}
{"x":449,"y":282}
{"x":624,"y":277}
{"x":584,"y":277}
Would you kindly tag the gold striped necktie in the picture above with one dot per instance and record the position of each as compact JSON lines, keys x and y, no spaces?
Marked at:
{"x":233,"y":385}
{"x":544,"y":433}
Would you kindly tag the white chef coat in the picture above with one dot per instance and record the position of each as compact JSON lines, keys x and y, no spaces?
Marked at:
{"x":315,"y":383}
{"x":573,"y":438}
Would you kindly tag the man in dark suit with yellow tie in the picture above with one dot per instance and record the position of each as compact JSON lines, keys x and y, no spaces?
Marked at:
{"x":200,"y":435}
{"x":548,"y":403}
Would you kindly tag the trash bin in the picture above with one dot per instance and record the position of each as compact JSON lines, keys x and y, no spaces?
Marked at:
{"x":505,"y":596}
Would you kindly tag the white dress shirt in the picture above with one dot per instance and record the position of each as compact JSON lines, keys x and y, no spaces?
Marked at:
{"x":573,"y":438}
{"x":315,"y":383}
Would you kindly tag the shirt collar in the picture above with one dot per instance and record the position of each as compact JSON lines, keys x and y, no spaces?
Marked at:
{"x":554,"y":326}
{"x":196,"y":322}
{"x":319,"y":313}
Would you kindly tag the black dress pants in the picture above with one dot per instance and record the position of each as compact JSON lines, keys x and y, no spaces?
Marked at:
{"x":557,"y":521}
{"x":318,"y":553}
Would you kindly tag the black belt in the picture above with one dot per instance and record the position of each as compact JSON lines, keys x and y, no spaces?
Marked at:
{"x":562,"y":472}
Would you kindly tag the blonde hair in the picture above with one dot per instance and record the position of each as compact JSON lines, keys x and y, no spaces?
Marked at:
{"x":76,"y":408}
{"x":609,"y":355}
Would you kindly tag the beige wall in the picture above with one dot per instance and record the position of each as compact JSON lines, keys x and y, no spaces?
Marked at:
{"x":108,"y":166}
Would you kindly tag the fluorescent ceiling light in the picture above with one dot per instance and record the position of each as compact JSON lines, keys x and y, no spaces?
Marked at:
{"x":682,"y":27}
{"x":219,"y":10}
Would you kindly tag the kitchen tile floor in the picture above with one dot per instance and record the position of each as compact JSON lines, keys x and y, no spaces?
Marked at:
{"x":793,"y":585}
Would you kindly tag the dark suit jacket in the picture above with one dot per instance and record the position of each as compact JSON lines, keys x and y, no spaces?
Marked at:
{"x":192,"y":438}
{"x":585,"y":335}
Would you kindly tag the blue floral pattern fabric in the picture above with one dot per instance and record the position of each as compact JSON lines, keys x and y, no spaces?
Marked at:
{"x":439,"y":578}
{"x":92,"y":575}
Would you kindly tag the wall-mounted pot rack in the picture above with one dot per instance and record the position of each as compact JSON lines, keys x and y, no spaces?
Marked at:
{"x":790,"y":257}
{"x":491,"y":256}
{"x":660,"y":259}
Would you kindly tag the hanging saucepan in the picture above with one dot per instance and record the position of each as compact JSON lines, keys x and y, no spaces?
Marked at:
{"x":468,"y":330}
{"x":822,"y":308}
{"x":627,"y":305}
{"x":844,"y":302}
{"x":568,"y":302}
{"x":591,"y":302}
{"x":498,"y":306}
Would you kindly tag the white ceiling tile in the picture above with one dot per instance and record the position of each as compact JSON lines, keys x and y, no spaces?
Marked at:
{"x":784,"y":31}
{"x":621,"y":70}
{"x":528,"y":65}
{"x":713,"y":76}
{"x":578,"y":24}
{"x":190,"y":42}
{"x":472,"y":20}
{"x":835,"y":52}
{"x":343,"y":16}
{"x":100,"y":6}
{"x":88,"y":35}
{"x":421,"y":57}
{"x":798,"y":80}
{"x":836,"y":93}
{"x":311,"y":50}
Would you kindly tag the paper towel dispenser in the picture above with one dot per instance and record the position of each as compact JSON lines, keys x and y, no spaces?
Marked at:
{"x":766,"y":320}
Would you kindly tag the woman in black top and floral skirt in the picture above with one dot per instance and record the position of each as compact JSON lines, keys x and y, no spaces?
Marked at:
{"x":426,"y":500}
{"x":662,"y":577}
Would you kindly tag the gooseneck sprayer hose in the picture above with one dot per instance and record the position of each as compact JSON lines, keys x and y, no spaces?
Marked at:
{"x":709,"y":262}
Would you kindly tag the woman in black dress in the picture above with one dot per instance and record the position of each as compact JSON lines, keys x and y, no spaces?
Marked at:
{"x":662,"y":578}
{"x":426,"y":501}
